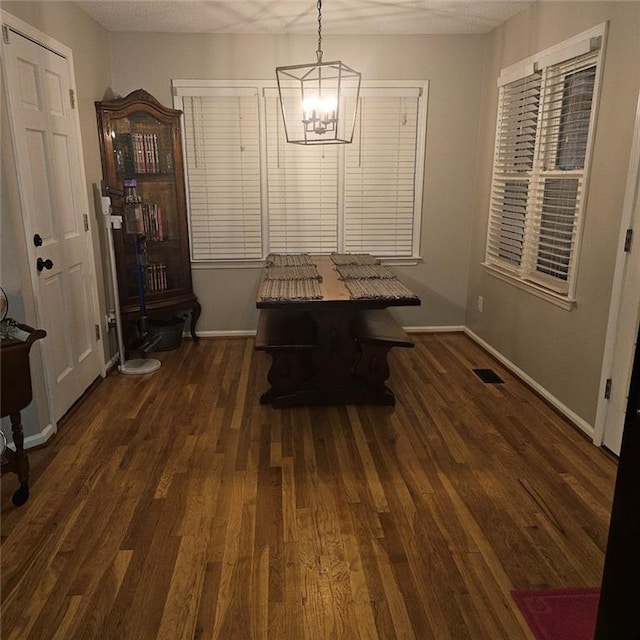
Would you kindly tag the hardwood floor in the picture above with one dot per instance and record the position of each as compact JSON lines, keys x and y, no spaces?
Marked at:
{"x":175,"y":506}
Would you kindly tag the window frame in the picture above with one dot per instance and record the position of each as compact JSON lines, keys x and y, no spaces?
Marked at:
{"x":526,"y":275}
{"x":183,"y":89}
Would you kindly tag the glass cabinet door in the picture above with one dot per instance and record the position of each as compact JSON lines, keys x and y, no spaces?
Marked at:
{"x":143,"y":155}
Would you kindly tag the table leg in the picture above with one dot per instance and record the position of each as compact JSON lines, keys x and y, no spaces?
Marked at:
{"x":334,"y":379}
{"x":196,"y":310}
{"x":21,"y":460}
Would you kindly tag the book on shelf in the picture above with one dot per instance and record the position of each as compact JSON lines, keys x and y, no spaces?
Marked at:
{"x":144,"y":220}
{"x":157,"y":277}
{"x":137,"y":153}
{"x":152,"y":217}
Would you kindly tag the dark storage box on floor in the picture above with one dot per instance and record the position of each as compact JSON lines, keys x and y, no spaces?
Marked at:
{"x":170,"y":332}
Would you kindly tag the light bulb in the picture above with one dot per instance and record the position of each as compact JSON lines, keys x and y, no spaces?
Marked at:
{"x":319,"y":113}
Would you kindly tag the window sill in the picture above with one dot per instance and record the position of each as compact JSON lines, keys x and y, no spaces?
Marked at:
{"x":400,"y":262}
{"x":226,"y":264}
{"x":564,"y":302}
{"x":259,"y":264}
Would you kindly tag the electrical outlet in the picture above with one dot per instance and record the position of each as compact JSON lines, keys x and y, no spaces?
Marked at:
{"x":480,"y":303}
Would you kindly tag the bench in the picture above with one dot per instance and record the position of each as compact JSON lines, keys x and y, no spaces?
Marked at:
{"x":379,"y":326}
{"x":278,"y":329}
{"x":288,"y":337}
{"x":377,"y":332}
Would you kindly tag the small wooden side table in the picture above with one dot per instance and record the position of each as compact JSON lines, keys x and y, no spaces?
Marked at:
{"x":15,"y":382}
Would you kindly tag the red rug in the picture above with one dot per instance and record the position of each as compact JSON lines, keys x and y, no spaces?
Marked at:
{"x":559,"y":614}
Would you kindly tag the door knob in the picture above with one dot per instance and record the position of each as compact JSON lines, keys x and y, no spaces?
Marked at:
{"x":44,"y":264}
{"x":37,"y":240}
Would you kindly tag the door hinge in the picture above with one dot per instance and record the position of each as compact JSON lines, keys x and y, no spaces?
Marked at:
{"x":607,"y":389}
{"x":5,"y":34}
{"x":85,"y":217}
{"x":97,"y":332}
{"x":72,"y":98}
{"x":627,"y":240}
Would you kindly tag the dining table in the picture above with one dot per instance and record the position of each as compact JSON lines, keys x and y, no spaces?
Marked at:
{"x":325,"y":322}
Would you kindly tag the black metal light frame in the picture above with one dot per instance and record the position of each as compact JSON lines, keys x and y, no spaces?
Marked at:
{"x":318,"y":101}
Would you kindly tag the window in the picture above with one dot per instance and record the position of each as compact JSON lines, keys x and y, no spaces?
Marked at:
{"x":251,"y":193}
{"x":222,"y":158}
{"x":546,"y":118}
{"x":302,"y":190}
{"x":379,"y":198}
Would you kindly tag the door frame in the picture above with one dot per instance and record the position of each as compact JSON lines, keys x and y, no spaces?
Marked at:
{"x":626,"y":263}
{"x":42,"y":39}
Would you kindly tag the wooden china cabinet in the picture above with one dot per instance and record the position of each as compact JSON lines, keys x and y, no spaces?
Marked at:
{"x":141,"y":150}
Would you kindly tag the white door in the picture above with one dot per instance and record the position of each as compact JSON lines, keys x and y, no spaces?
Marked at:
{"x":624,"y":315}
{"x":625,"y":342}
{"x":55,"y":209}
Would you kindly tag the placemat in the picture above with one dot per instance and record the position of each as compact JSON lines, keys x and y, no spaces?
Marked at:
{"x":363,"y":271}
{"x":288,"y":259}
{"x":273,"y":290}
{"x":305,"y":272}
{"x":377,"y":288}
{"x":353,"y":258}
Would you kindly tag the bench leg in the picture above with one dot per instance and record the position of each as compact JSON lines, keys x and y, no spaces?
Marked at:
{"x":372,"y":366}
{"x":289,"y":367}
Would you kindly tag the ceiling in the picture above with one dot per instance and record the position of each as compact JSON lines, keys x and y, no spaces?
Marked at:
{"x":339,"y":17}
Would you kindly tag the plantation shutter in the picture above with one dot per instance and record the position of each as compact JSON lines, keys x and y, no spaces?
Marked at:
{"x":222,"y":156}
{"x":557,"y":207}
{"x":513,"y":169}
{"x":302,"y":189}
{"x":380,"y":174}
{"x":545,"y":121}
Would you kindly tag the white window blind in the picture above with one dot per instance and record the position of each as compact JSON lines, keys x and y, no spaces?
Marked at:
{"x":302,"y":190}
{"x":380,"y":175}
{"x":251,"y":193}
{"x":544,"y":130}
{"x":222,"y":157}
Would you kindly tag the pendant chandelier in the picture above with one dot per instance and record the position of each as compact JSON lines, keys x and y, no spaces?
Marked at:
{"x":319,"y":100}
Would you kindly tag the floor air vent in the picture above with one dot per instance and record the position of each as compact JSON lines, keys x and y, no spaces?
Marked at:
{"x":489,"y":376}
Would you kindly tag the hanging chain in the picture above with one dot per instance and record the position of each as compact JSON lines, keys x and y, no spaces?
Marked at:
{"x":319,"y":50}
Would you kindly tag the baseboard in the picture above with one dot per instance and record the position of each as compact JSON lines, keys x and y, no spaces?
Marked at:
{"x":36,"y":440}
{"x":439,"y":329}
{"x":240,"y":333}
{"x":112,"y":362}
{"x":570,"y":415}
{"x":252,"y":332}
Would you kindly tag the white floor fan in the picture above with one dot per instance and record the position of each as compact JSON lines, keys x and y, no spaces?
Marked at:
{"x":137,"y":366}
